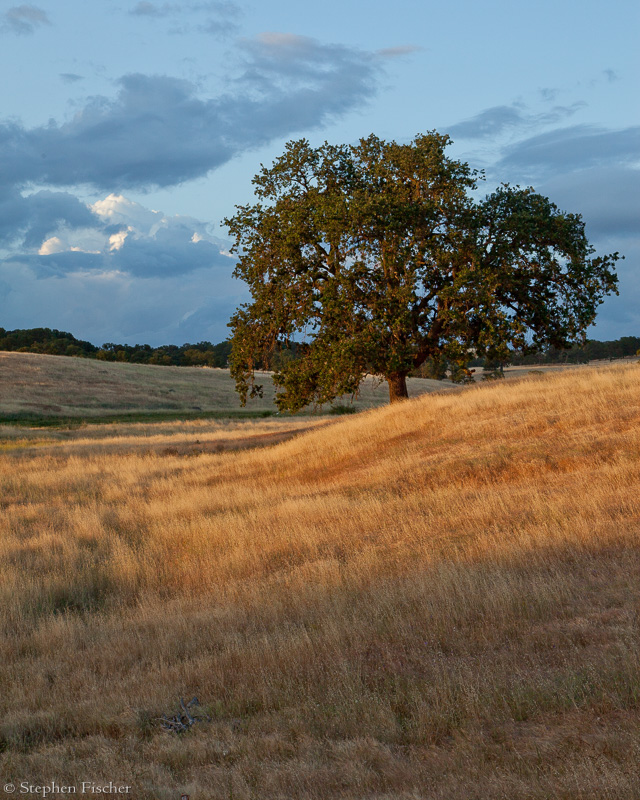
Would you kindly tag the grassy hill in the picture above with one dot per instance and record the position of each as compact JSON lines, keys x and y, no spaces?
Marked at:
{"x":439,"y":599}
{"x":39,"y":387}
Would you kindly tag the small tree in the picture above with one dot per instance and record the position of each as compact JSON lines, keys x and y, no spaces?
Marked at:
{"x":374,"y":258}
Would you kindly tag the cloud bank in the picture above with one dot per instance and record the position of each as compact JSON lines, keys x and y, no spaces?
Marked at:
{"x":577,"y":147}
{"x":158,"y":132}
{"x":114,"y":235}
{"x":594,"y":172}
{"x":112,"y":306}
{"x":113,"y":268}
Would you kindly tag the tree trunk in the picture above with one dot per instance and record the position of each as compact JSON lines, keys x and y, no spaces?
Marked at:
{"x":397,"y":387}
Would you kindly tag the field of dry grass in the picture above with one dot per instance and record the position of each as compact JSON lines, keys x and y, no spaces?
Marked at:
{"x":56,"y":386}
{"x":439,"y":599}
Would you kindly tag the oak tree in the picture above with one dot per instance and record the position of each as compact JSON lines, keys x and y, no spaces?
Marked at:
{"x":375,"y":257}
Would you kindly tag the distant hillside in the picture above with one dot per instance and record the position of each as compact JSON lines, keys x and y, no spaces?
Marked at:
{"x":41,"y":386}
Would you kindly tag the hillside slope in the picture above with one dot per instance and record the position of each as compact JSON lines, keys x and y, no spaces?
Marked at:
{"x":33,"y":385}
{"x":439,"y":599}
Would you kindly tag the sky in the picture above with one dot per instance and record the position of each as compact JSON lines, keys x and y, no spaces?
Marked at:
{"x":129,"y":129}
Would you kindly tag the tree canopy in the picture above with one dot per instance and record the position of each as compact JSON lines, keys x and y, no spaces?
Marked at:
{"x":375,"y":257}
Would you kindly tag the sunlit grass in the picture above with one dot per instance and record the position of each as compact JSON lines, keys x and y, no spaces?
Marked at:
{"x":437,"y":599}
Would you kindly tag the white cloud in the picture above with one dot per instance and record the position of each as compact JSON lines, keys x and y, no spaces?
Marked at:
{"x":129,"y":238}
{"x":116,"y":240}
{"x":117,"y":209}
{"x":52,"y":245}
{"x":76,"y":240}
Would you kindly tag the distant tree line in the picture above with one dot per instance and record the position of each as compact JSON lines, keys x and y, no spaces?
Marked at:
{"x":591,"y":350}
{"x":45,"y":340}
{"x":61,"y":343}
{"x":202,"y":354}
{"x":205,"y":354}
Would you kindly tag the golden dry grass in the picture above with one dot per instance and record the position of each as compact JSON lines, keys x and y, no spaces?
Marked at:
{"x":434,"y":600}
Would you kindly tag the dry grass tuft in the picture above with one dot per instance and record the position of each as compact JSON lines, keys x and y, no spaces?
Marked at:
{"x":438,"y":600}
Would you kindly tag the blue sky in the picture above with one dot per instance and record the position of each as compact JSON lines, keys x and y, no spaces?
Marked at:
{"x":130,"y":128}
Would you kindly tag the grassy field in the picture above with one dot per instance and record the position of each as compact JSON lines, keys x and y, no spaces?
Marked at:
{"x":45,"y":389}
{"x":439,"y":599}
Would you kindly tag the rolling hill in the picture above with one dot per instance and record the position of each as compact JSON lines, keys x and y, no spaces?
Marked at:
{"x":438,"y":599}
{"x":37,"y":387}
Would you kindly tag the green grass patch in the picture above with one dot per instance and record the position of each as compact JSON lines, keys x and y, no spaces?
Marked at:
{"x":28,"y":420}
